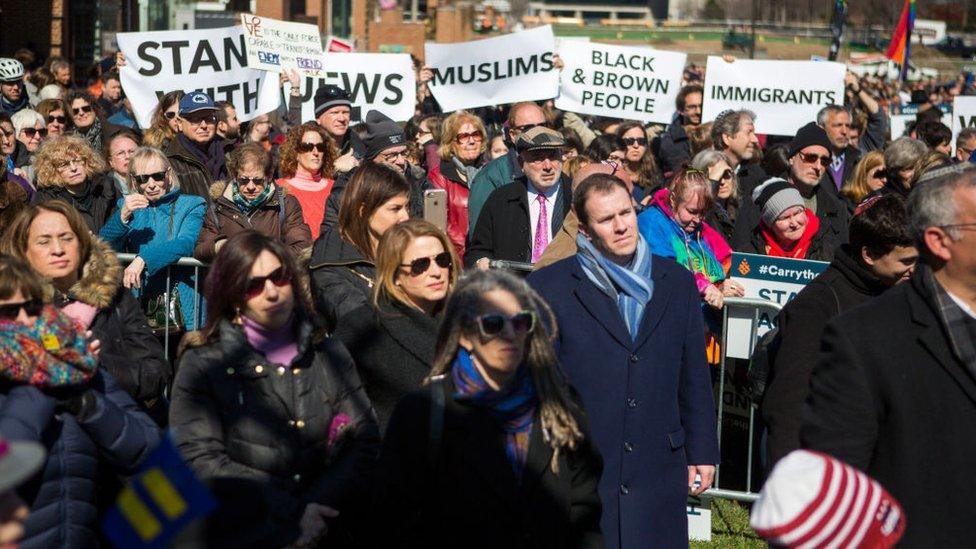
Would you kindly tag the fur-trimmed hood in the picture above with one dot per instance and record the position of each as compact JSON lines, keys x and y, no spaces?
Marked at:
{"x":101,"y":277}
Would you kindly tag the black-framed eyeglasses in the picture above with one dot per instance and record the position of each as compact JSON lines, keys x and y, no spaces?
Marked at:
{"x":308,"y":147}
{"x":421,"y":265}
{"x":10,"y":311}
{"x":169,"y":115}
{"x":255,"y":285}
{"x":642,"y":141}
{"x":143,"y":179}
{"x":58,"y":119}
{"x":259,"y":181}
{"x":492,"y":324}
{"x":83,"y":108}
{"x":31,"y":132}
{"x":812,"y":158}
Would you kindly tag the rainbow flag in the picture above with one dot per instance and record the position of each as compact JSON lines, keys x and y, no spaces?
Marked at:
{"x":900,"y":49}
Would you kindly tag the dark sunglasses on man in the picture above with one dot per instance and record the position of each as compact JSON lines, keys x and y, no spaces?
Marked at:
{"x":81,"y":109}
{"x":255,"y":285}
{"x":421,"y":265}
{"x":492,"y":324}
{"x":813,"y":158}
{"x":10,"y":311}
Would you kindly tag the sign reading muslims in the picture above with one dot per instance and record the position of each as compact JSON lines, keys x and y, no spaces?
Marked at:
{"x":785,"y":95}
{"x":275,"y":46}
{"x":380,"y":81}
{"x":506,"y":69}
{"x":619,"y":81}
{"x":776,"y":279}
{"x":213,"y":61}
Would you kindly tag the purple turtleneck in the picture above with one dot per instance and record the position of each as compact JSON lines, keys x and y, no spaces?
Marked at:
{"x":278,"y":346}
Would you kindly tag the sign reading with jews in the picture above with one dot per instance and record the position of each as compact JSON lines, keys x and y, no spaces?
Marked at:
{"x":776,"y":279}
{"x":506,"y":69}
{"x":213,"y":61}
{"x":275,"y":46}
{"x":619,"y":81}
{"x":381,"y":81}
{"x":785,"y":95}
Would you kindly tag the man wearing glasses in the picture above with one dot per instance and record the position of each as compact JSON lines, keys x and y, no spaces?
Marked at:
{"x":675,"y":147}
{"x":809,"y":160}
{"x":197,"y":152}
{"x":894,"y":390}
{"x":519,"y":220}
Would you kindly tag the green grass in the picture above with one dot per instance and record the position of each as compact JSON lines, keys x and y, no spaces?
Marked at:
{"x":643,"y":35}
{"x":730,"y":528}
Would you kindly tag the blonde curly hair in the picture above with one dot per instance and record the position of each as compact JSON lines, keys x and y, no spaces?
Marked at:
{"x":56,"y":151}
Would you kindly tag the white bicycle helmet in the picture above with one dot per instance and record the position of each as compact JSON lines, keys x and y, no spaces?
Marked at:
{"x":10,"y":69}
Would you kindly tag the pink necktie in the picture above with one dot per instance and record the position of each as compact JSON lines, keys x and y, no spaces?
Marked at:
{"x":541,"y":230}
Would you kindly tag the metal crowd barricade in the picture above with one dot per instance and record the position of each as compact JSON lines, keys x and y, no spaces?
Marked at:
{"x":183,"y":262}
{"x":758,"y":306}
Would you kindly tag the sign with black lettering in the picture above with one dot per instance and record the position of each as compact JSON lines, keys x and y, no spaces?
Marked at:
{"x":213,"y":61}
{"x":963,"y":115}
{"x":785,"y":95}
{"x":506,"y":69}
{"x":380,"y":81}
{"x":619,"y":81}
{"x":274,"y":45}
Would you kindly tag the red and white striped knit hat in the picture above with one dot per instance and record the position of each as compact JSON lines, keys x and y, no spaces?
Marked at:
{"x":813,"y":500}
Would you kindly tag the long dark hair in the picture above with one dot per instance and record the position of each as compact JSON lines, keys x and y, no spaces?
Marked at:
{"x":648,"y":175}
{"x":372,"y":186}
{"x":228,"y":277}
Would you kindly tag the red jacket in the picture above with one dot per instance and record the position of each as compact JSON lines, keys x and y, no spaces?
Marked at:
{"x":445,"y":176}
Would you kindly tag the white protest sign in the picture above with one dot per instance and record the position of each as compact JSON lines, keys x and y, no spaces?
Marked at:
{"x":213,"y":61}
{"x":963,"y":115}
{"x":274,"y":45}
{"x":775,"y":279}
{"x":898,"y":123}
{"x":506,"y":69}
{"x":785,"y":95}
{"x":619,"y":81}
{"x":380,"y":81}
{"x":699,"y":510}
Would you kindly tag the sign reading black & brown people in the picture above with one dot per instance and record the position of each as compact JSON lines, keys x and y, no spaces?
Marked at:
{"x":213,"y":61}
{"x":506,"y":69}
{"x":785,"y":95}
{"x":381,"y":81}
{"x":619,"y":81}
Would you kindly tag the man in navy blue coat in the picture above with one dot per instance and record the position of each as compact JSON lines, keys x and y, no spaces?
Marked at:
{"x":631,"y":340}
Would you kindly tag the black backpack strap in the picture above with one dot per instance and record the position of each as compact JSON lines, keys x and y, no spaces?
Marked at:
{"x":436,"y":432}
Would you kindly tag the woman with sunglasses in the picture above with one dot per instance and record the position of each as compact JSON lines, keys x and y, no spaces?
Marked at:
{"x":787,"y":228}
{"x":869,"y":176}
{"x":69,"y":170}
{"x":251,"y":201}
{"x":343,"y":260}
{"x":54,"y":393}
{"x":463,"y":144}
{"x":725,"y":190}
{"x":495,"y":452}
{"x":267,"y":409}
{"x":159,"y":224}
{"x":165,"y":121}
{"x":307,"y":158}
{"x":84,"y":272}
{"x":30,"y":131}
{"x":639,"y":159}
{"x":86,"y":117}
{"x":392,"y":338}
{"x":55,"y":114}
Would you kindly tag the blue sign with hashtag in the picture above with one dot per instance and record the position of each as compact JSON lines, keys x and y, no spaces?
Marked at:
{"x":158,"y":502}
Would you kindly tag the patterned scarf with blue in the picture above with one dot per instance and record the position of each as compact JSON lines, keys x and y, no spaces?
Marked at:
{"x":631,"y":286}
{"x":513,"y":406}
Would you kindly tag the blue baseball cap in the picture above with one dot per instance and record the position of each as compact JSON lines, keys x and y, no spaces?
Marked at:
{"x":196,"y":101}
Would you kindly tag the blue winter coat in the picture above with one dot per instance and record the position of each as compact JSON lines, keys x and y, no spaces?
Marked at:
{"x":161,"y":234}
{"x":648,"y":399}
{"x":63,"y":507}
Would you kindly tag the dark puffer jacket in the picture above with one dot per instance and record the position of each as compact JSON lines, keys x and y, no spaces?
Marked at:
{"x":342,"y":277}
{"x":96,"y":210}
{"x":259,"y":434}
{"x":193,"y":176}
{"x":62,"y":496}
{"x":280,"y":216}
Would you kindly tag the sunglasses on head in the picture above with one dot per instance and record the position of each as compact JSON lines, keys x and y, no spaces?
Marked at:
{"x":309,"y":147}
{"x":142,"y":179}
{"x":10,"y":311}
{"x":812,"y":158}
{"x":473,"y":136}
{"x":642,"y":141}
{"x":256,"y":180}
{"x":169,"y":115}
{"x":255,"y":285}
{"x":492,"y":324}
{"x":79,"y":110}
{"x":420,"y":265}
{"x":58,"y":119}
{"x":31,"y":132}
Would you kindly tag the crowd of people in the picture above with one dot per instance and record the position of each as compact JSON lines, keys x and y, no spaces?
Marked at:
{"x":351,"y":374}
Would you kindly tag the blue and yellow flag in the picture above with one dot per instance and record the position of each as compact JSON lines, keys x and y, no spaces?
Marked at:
{"x":158,"y":502}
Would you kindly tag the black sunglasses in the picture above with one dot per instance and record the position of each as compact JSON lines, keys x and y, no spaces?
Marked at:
{"x":79,"y":110}
{"x":142,"y":179}
{"x":30,"y":132}
{"x":197,"y":120}
{"x":642,"y":141}
{"x":811,"y":158}
{"x":420,"y":265}
{"x":307,"y":147}
{"x":58,"y":119}
{"x":256,"y":180}
{"x":491,"y":325}
{"x":279,"y":277}
{"x":10,"y":311}
{"x":169,"y":115}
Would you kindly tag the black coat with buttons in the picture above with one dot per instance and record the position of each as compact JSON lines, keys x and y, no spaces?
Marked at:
{"x":268,"y":438}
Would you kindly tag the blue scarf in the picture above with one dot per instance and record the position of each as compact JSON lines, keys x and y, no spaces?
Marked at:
{"x":513,"y":406}
{"x":631,"y":286}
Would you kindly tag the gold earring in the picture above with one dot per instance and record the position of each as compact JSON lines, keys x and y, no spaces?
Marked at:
{"x":238,"y":321}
